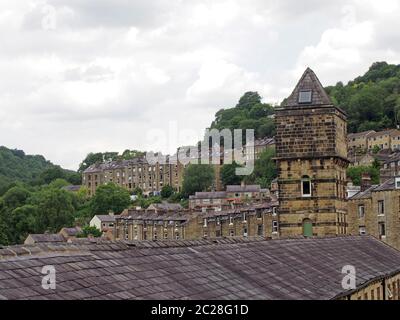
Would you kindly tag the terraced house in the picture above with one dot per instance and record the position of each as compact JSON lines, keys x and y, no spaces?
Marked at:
{"x":375,"y":211}
{"x":243,"y":221}
{"x":134,"y":173}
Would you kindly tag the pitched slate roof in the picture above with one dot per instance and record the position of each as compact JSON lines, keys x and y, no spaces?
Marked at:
{"x":165,"y":206}
{"x":47,"y":237}
{"x":105,"y":217}
{"x":363,"y":134}
{"x":203,"y":269}
{"x":209,"y":195}
{"x":71,"y":231}
{"x":309,"y":81}
{"x":244,"y":188}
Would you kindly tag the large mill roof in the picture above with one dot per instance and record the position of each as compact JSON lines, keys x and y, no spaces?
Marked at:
{"x":204,"y":269}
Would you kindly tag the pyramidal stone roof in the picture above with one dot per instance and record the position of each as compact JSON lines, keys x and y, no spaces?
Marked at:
{"x":308,"y":82}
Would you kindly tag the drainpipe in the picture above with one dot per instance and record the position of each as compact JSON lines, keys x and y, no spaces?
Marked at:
{"x":384,"y":288}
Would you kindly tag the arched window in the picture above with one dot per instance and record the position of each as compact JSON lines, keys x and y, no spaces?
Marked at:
{"x":307,"y":228}
{"x":305,"y":186}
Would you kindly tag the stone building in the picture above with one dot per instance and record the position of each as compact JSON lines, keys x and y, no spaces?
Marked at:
{"x":134,"y":173}
{"x":103,"y":222}
{"x":311,"y":156}
{"x":239,"y":221}
{"x":375,"y":211}
{"x":234,"y":194}
{"x":384,"y":140}
{"x":390,"y":167}
{"x":258,"y":220}
{"x":358,"y":142}
{"x":151,"y":225}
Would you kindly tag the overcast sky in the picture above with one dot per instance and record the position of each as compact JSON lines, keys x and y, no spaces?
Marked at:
{"x":79,"y":76}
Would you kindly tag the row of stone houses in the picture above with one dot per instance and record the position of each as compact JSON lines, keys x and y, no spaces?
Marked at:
{"x":65,"y":235}
{"x":233,"y":195}
{"x":375,"y":211}
{"x":138,"y":172}
{"x":241,"y":221}
{"x":134,"y":173}
{"x":368,"y":140}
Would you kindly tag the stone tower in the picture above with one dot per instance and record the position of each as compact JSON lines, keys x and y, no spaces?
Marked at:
{"x":311,"y":155}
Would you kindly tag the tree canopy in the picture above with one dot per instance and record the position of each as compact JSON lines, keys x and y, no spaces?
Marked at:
{"x":372,"y":101}
{"x":196,"y":178}
{"x":110,"y":197}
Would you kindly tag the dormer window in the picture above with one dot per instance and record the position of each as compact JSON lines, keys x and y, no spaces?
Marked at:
{"x":305,"y":96}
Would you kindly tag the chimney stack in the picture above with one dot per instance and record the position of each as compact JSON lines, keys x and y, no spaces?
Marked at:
{"x":365,"y":181}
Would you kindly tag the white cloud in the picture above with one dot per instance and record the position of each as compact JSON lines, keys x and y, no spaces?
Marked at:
{"x":79,"y":76}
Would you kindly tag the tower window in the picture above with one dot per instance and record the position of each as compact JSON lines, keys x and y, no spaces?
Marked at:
{"x":306,"y":186}
{"x":381,"y":207}
{"x":305,"y":96}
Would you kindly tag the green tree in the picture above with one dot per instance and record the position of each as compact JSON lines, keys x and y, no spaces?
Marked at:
{"x":138,"y":191}
{"x":167,"y":191}
{"x":248,"y":100}
{"x":228,"y":174}
{"x":97,"y":157}
{"x":23,"y":221}
{"x":15,"y":197}
{"x":355,"y":173}
{"x":89,"y":231}
{"x":132,"y":154}
{"x":264,"y":169}
{"x":55,"y":209}
{"x":52,"y":173}
{"x":58,"y":183}
{"x":376,"y":149}
{"x":110,"y":197}
{"x":197,"y":177}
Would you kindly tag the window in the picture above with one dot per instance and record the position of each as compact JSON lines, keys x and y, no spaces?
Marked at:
{"x":274,"y":226}
{"x":166,"y":235}
{"x":305,"y":96}
{"x":259,"y":230}
{"x":205,"y":223}
{"x":231,"y":233}
{"x":361,"y":211}
{"x":245,"y":232}
{"x":274,"y":211}
{"x":205,"y":235}
{"x":381,"y":207}
{"x":397,"y":182}
{"x":361,"y":231}
{"x":244,"y":216}
{"x":230,"y":220}
{"x":306,"y":186}
{"x":382,"y":230}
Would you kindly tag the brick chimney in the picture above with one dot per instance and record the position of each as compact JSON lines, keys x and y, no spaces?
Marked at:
{"x":365,"y":181}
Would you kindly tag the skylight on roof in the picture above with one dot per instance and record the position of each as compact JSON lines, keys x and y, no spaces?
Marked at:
{"x":305,"y":96}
